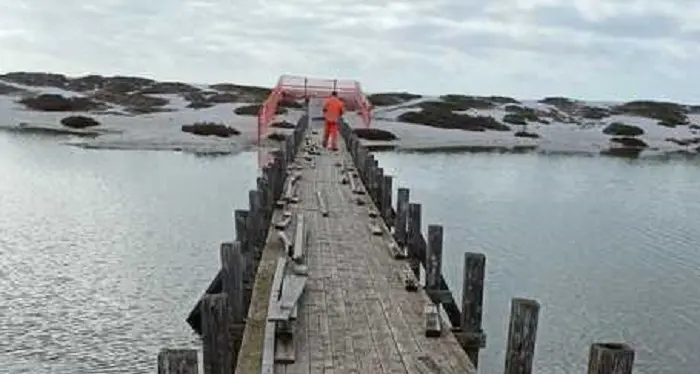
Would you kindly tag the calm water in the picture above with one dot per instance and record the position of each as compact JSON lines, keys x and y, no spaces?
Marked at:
{"x":609,"y":247}
{"x":102,"y":253}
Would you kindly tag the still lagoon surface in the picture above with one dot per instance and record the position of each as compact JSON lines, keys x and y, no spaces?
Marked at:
{"x":103,"y":253}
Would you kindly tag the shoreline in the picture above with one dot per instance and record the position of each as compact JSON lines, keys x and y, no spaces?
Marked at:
{"x":131,"y":113}
{"x":76,"y":138}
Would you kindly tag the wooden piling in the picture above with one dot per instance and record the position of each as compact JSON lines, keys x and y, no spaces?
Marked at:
{"x":257,"y":224}
{"x":473,"y":336}
{"x":241,"y":226}
{"x":240,"y":221}
{"x":610,"y":358}
{"x":433,"y":259}
{"x":232,"y":268}
{"x":401,"y":220}
{"x":387,"y":189}
{"x":414,"y":235}
{"x":379,"y":189}
{"x":216,"y":335}
{"x":177,"y":361}
{"x":522,"y":333}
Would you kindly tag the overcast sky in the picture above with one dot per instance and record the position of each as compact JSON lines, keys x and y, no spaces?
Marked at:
{"x":594,"y":49}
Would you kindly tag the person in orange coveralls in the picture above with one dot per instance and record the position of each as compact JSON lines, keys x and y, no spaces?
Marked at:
{"x":333,"y":108}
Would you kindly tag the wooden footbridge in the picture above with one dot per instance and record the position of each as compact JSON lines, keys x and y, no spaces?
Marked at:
{"x":327,"y":275}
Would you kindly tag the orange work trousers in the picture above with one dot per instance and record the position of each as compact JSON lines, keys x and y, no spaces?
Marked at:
{"x":330,"y":133}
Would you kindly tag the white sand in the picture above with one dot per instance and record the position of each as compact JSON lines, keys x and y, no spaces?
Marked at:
{"x":556,"y":137}
{"x":162,"y":131}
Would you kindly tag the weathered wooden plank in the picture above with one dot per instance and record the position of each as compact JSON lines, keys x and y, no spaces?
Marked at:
{"x":292,"y":289}
{"x":177,"y":361}
{"x":275,"y":306}
{"x":299,"y":238}
{"x":268,"y":348}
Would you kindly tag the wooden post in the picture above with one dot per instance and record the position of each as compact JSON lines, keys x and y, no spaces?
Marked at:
{"x":240,"y":221}
{"x":414,"y":236}
{"x":177,"y":361}
{"x":472,"y":304}
{"x":379,"y":188}
{"x":257,"y":220}
{"x":401,"y":219}
{"x":522,"y":333}
{"x":611,"y":358}
{"x":368,"y":172}
{"x":433,"y":258}
{"x":387,"y":190}
{"x":261,"y":183}
{"x":232,"y":268}
{"x":216,"y":334}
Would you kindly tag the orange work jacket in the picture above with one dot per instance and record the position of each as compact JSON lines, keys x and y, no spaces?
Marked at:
{"x":332,"y":109}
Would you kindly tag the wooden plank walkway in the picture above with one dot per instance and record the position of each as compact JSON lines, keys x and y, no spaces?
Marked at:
{"x":341,"y":299}
{"x":355,"y":315}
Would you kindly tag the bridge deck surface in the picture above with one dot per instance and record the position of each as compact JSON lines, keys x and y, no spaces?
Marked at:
{"x":355,"y":315}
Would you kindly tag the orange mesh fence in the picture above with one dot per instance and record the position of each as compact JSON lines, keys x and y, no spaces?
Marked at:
{"x":290,"y":87}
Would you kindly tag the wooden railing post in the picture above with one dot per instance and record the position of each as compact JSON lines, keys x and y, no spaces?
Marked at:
{"x":522,"y":333}
{"x":610,"y":358}
{"x":473,"y":335}
{"x":178,"y":361}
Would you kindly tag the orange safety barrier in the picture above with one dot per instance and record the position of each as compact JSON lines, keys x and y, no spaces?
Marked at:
{"x":290,"y":87}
